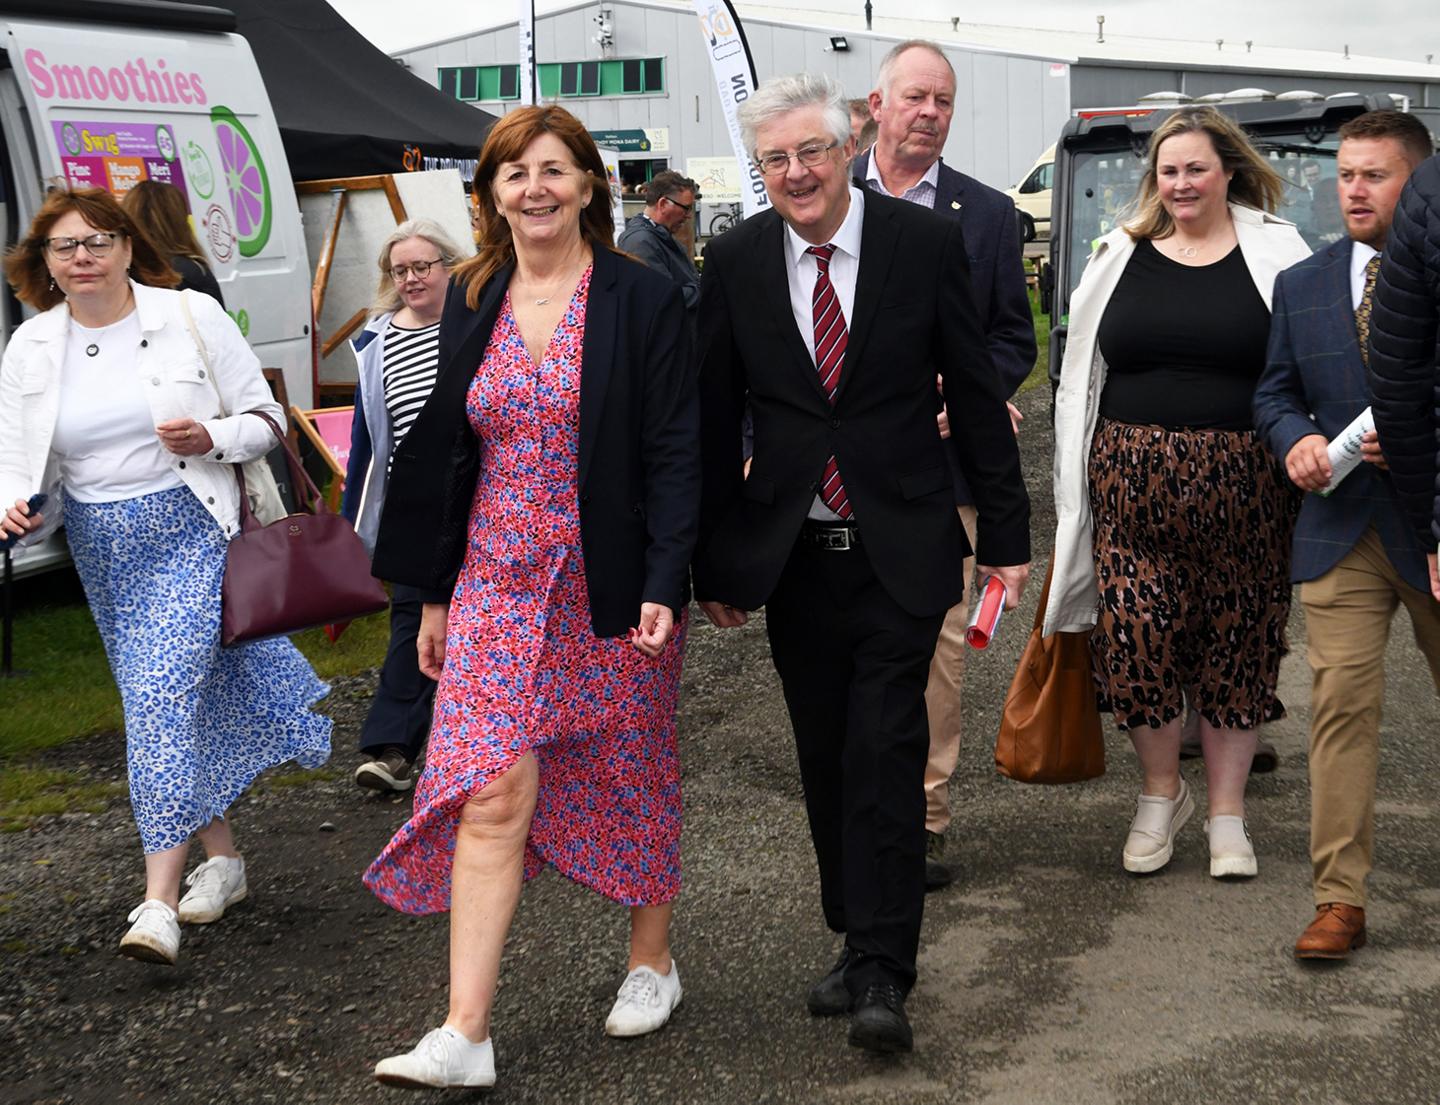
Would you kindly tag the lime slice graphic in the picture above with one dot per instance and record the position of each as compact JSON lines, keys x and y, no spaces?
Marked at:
{"x":243,"y":172}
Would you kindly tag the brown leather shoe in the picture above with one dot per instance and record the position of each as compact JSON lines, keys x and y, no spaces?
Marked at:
{"x":1338,"y":929}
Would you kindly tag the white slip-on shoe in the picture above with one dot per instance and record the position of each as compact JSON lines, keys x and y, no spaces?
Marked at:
{"x":154,"y":934}
{"x":443,"y":1059}
{"x":1232,"y":854}
{"x":215,"y":885}
{"x":1152,"y":834}
{"x":644,"y":1002}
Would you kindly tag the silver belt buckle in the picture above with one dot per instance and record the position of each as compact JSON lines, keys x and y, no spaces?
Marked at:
{"x":835,"y":539}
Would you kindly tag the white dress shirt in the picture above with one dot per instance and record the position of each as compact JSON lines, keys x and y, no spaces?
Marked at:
{"x":1360,"y":255}
{"x":801,"y":269}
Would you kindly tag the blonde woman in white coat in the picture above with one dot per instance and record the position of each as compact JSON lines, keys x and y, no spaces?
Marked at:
{"x":1174,"y":523}
{"x":109,"y":409}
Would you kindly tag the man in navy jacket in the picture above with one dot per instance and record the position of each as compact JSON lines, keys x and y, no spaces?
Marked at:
{"x":1356,"y":558}
{"x":914,"y":102}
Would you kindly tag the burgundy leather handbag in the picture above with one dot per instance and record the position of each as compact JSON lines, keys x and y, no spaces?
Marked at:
{"x":301,"y":571}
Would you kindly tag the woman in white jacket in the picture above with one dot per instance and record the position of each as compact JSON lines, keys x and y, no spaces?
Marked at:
{"x":1174,"y":521}
{"x":110,"y":411}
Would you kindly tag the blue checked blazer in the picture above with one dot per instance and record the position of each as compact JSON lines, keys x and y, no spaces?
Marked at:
{"x":1314,"y":382}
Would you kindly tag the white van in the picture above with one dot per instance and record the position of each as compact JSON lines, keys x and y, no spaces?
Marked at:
{"x":1032,"y":197}
{"x":93,"y":96}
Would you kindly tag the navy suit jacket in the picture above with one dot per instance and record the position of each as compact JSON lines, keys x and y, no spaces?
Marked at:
{"x":997,"y":275}
{"x":1314,"y":382}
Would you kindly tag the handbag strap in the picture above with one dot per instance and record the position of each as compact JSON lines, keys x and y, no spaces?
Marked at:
{"x":1044,"y":594}
{"x":316,"y":501}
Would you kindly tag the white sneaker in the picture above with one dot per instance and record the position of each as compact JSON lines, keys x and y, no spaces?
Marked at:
{"x":644,"y":1002}
{"x":1152,"y":834}
{"x":1232,"y":854}
{"x":443,"y":1058}
{"x":154,"y":934}
{"x":215,"y":885}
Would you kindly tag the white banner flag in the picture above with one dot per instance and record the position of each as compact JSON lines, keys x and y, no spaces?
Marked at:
{"x":735,"y":81}
{"x":529,"y":93}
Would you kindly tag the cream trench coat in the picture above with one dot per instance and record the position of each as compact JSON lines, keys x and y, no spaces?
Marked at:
{"x":176,"y":383}
{"x":1268,"y":244}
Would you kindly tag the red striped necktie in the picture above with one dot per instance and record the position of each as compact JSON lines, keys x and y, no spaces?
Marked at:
{"x":831,"y":337}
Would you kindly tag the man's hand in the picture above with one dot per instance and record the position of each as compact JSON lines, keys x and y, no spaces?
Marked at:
{"x":1370,"y":451}
{"x":1015,"y":417}
{"x":430,"y":641}
{"x":1434,"y":577}
{"x":1013,"y":577}
{"x":722,"y":616}
{"x":1307,"y":463}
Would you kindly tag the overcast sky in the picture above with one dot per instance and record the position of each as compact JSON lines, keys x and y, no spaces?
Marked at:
{"x":1407,"y":29}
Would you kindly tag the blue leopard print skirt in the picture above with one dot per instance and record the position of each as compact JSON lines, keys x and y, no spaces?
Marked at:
{"x":200,"y":721}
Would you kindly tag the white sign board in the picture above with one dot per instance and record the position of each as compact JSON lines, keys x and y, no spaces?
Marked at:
{"x":718,"y":178}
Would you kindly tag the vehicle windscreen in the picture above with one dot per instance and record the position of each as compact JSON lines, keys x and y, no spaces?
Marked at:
{"x":1103,"y":185}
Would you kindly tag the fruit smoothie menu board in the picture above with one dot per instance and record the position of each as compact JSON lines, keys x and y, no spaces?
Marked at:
{"x":117,"y":156}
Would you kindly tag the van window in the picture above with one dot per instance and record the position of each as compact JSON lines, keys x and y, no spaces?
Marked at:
{"x":1041,"y":180}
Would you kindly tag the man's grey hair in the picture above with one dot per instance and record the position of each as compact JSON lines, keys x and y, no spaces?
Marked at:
{"x":782,"y":95}
{"x":887,"y":63}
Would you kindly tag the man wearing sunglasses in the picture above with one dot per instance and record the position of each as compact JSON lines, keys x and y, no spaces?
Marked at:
{"x":650,"y":235}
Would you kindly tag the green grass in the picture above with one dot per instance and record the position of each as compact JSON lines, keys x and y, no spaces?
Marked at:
{"x":68,"y":691}
{"x":29,"y":792}
{"x":1040,"y":374}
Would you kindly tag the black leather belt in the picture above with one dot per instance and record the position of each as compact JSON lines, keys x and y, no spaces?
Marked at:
{"x":831,"y":536}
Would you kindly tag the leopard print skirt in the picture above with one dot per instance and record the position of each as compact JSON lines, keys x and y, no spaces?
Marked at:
{"x":1192,"y":554}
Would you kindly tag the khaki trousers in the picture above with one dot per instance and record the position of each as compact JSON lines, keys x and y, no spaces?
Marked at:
{"x":942,"y":696}
{"x":1348,"y":612}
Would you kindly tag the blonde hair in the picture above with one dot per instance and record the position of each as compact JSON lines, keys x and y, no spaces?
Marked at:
{"x":387,"y":295}
{"x":1254,"y":184}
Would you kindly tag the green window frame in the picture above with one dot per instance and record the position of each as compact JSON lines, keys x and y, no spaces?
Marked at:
{"x":472,"y":83}
{"x":563,"y":80}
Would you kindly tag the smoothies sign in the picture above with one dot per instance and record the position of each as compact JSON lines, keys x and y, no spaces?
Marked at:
{"x":140,"y":118}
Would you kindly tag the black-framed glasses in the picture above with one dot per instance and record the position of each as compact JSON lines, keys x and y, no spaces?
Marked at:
{"x":773,"y":164}
{"x":96,"y":245}
{"x":685,"y":207}
{"x":421,"y":269}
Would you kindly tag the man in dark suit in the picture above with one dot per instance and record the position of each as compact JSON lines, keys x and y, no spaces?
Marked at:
{"x":1355,"y":557}
{"x":830,"y":315}
{"x":650,"y":234}
{"x":914,"y":101}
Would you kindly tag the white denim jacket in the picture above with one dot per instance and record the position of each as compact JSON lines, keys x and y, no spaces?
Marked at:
{"x":1269,"y":245}
{"x":176,"y":382}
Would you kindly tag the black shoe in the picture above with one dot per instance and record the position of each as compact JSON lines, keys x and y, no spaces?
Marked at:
{"x":828,"y":997}
{"x":879,"y":1023}
{"x":937,"y":871}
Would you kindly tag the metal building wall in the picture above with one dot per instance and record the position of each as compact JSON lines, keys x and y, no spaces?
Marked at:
{"x":1109,"y":86}
{"x":1009,"y":108}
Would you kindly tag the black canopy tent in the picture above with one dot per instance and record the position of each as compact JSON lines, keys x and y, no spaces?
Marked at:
{"x":344,"y":108}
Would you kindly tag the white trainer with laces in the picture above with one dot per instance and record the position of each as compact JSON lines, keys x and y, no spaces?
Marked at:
{"x":644,"y":1002}
{"x":154,"y":935}
{"x":215,"y":885}
{"x":1232,"y":854}
{"x":443,"y":1059}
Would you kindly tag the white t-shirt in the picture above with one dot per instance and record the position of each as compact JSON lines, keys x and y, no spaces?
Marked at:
{"x":105,"y":432}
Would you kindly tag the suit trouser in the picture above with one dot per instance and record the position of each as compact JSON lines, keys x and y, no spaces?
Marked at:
{"x":852,"y":664}
{"x":405,"y":699}
{"x":1348,"y":612}
{"x":942,"y":696}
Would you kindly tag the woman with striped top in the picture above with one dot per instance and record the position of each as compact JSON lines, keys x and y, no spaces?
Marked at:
{"x":396,"y":354}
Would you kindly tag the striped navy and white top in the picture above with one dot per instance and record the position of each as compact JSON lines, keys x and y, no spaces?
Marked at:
{"x":411,"y":362}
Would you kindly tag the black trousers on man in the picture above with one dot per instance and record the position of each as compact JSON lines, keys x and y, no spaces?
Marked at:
{"x":400,"y":713}
{"x":854,"y":666}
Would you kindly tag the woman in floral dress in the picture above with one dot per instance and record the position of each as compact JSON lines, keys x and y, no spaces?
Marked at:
{"x":546,"y":502}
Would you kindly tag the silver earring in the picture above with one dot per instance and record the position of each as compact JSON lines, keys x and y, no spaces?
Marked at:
{"x":52,"y":283}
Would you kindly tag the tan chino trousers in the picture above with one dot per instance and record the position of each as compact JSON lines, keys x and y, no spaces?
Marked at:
{"x":942,"y":696}
{"x":1348,"y":612}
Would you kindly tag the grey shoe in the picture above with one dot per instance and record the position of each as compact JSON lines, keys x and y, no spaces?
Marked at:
{"x":392,"y":770}
{"x":937,"y":871}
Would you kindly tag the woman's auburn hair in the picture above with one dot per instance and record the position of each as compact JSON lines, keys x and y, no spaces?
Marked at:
{"x":25,"y":260}
{"x":507,"y":141}
{"x":1255,"y":183}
